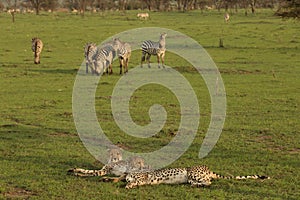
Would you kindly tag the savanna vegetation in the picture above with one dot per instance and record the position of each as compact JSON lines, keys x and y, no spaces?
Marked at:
{"x":259,"y":64}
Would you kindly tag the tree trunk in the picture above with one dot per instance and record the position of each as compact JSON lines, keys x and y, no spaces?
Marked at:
{"x":13,"y":16}
{"x":82,"y":7}
{"x":36,"y":5}
{"x":253,"y":6}
{"x":37,"y":9}
{"x":148,"y":3}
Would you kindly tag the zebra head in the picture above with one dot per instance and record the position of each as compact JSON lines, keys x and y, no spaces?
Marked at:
{"x":162,"y":40}
{"x":89,"y":50}
{"x":163,"y":36}
{"x":99,"y":67}
{"x":33,"y":39}
{"x":117,"y":44}
{"x":116,"y":41}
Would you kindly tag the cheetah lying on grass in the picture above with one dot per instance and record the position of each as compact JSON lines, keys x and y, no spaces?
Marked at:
{"x":136,"y":173}
{"x":115,"y":166}
{"x":134,"y":164}
{"x":196,"y":176}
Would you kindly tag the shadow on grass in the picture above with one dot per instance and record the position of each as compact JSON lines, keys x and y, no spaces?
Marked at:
{"x":55,"y":71}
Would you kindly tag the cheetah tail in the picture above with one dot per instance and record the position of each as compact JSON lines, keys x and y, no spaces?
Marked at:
{"x":217,"y":176}
{"x":252,"y":177}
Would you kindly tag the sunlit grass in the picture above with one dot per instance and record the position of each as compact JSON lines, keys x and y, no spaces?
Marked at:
{"x":259,"y":65}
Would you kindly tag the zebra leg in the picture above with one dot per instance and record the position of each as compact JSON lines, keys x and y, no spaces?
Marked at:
{"x":107,"y":71}
{"x":142,"y":59}
{"x":110,"y":69}
{"x":158,"y":60}
{"x":86,"y":67}
{"x":120,"y":61}
{"x":36,"y":59}
{"x":148,"y":60}
{"x":126,"y":65}
{"x":91,"y":65}
{"x":163,"y":60}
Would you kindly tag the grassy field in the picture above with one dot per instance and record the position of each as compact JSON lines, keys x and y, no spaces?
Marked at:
{"x":260,"y":69}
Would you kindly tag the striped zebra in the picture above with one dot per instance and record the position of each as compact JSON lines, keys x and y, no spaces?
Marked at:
{"x":90,"y":50}
{"x":154,"y":48}
{"x":103,"y":59}
{"x":124,"y":53}
{"x":37,"y":46}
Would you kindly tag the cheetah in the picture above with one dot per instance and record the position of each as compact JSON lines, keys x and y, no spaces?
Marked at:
{"x":119,"y":168}
{"x":115,"y":155}
{"x":196,"y":176}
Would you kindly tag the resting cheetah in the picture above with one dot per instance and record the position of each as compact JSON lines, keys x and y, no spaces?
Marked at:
{"x":115,"y":155}
{"x":196,"y":176}
{"x":119,"y":168}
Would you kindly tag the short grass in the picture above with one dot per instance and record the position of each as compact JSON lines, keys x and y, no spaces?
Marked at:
{"x":259,"y":66}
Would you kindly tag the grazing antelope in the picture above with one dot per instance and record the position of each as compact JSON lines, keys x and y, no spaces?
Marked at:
{"x":143,"y":15}
{"x":226,"y":17}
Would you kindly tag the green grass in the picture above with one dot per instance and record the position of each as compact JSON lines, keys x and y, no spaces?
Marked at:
{"x":260,"y":69}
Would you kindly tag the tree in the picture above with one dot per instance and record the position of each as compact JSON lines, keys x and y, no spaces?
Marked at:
{"x":122,"y":5}
{"x":12,"y":6}
{"x":289,"y":8}
{"x":253,"y":5}
{"x":149,"y":4}
{"x":50,"y":4}
{"x":37,"y":5}
{"x":185,"y":5}
{"x":82,"y":4}
{"x":1,"y":6}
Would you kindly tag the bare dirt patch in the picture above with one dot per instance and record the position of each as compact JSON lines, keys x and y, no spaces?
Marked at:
{"x":19,"y":193}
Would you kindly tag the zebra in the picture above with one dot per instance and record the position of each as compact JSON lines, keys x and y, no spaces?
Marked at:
{"x":90,"y":50}
{"x":37,"y":46}
{"x":124,"y":53}
{"x":154,"y":48}
{"x":103,"y":59}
